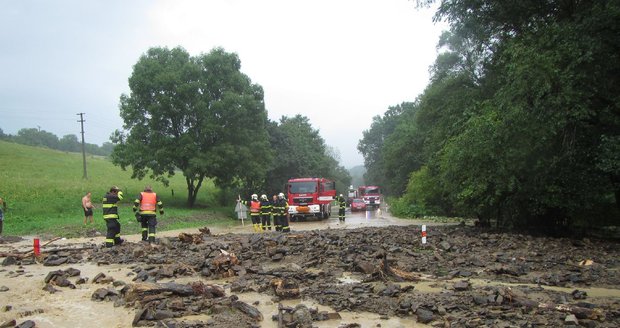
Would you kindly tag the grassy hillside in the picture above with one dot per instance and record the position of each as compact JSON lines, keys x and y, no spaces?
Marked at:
{"x":44,"y":188}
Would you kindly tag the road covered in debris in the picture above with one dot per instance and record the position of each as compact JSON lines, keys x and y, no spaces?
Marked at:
{"x":371,"y":271}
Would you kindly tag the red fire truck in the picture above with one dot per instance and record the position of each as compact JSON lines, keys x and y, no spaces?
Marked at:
{"x":371,"y":195}
{"x":310,"y":197}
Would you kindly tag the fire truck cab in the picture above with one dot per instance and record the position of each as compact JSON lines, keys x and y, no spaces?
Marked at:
{"x":371,"y":195}
{"x":310,"y":197}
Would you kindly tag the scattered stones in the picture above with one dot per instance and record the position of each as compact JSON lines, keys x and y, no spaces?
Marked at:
{"x":9,"y":260}
{"x":8,"y":324}
{"x":26,"y":324}
{"x":362,"y":270}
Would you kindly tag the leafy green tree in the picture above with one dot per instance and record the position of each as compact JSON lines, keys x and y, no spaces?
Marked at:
{"x":371,"y":146}
{"x":199,"y":115}
{"x":521,"y":120}
{"x":301,"y":152}
{"x":107,"y":148}
{"x":36,"y":137}
{"x":70,"y":143}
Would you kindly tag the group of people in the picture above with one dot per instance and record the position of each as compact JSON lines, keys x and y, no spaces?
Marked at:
{"x":261,"y":211}
{"x":145,"y":207}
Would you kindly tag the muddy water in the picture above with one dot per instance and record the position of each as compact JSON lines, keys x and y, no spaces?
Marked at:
{"x":430,"y":285}
{"x":269,"y":308}
{"x":74,"y":308}
{"x":70,"y":307}
{"x":66,"y":308}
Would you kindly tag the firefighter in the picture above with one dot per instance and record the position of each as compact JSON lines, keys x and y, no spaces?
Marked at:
{"x":342,"y":205}
{"x":280,"y":211}
{"x":255,"y":211}
{"x":265,"y":212}
{"x":145,"y":206}
{"x":110,"y":215}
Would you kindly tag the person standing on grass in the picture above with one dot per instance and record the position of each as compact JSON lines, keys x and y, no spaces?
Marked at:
{"x":110,"y":215}
{"x":146,"y":205}
{"x":88,"y":207}
{"x":2,"y":210}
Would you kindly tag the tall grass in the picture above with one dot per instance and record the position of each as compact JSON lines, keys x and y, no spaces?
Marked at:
{"x":44,"y":188}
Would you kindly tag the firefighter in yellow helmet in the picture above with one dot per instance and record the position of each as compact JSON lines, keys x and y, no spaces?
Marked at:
{"x":342,"y":205}
{"x":280,"y":212}
{"x":145,"y":206}
{"x":265,"y":212}
{"x":110,"y":215}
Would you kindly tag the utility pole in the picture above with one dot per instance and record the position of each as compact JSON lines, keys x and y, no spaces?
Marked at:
{"x":83,"y":149}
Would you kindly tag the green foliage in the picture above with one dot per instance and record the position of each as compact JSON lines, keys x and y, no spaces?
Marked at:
{"x":43,"y":189}
{"x":199,"y":115}
{"x":301,"y":152}
{"x":371,"y":146}
{"x":402,"y":208}
{"x":521,"y":122}
{"x":42,"y":138}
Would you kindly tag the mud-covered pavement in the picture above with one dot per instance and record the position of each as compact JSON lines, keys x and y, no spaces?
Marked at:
{"x":371,"y":271}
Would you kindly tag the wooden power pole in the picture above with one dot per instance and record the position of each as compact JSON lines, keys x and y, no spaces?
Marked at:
{"x":83,"y":147}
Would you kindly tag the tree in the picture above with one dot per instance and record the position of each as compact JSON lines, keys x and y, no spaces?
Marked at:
{"x":372,"y":144}
{"x":36,"y":137}
{"x":70,"y":143}
{"x":301,"y":152}
{"x":199,"y":115}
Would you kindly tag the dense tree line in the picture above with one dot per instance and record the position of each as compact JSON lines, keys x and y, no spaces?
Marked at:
{"x":201,"y":116}
{"x":520,"y":123}
{"x":69,"y":142}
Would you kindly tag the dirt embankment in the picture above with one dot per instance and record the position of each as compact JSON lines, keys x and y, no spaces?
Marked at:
{"x":360,"y":277}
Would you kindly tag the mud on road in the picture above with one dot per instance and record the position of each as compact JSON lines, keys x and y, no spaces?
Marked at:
{"x":371,"y":271}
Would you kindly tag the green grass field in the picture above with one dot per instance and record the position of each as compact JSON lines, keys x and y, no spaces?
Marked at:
{"x":43,"y":189}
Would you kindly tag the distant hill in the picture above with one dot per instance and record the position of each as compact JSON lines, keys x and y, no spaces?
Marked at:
{"x":357,"y":173}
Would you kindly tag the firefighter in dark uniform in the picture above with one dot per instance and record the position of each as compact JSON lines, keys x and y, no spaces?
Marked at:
{"x":342,"y":206}
{"x":265,"y":212}
{"x":110,"y":215}
{"x":255,"y":213}
{"x":145,"y":206}
{"x":280,"y":210}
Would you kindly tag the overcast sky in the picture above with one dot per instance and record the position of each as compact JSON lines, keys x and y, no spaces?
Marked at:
{"x":337,"y":62}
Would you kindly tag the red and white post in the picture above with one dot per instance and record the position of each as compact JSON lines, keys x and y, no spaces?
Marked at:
{"x":424,"y":234}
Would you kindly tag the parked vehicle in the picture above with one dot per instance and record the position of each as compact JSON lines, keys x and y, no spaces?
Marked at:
{"x":310,"y":197}
{"x":357,"y":204}
{"x":371,"y":195}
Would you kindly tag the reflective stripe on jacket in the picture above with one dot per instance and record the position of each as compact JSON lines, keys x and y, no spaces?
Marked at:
{"x":110,"y":210}
{"x":265,"y":207}
{"x":280,"y":207}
